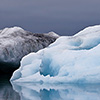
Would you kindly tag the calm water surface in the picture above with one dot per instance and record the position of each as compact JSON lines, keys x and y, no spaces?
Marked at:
{"x":6,"y":90}
{"x":31,"y":91}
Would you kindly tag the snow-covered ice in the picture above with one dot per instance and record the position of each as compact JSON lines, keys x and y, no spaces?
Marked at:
{"x":70,"y":59}
{"x":15,"y":43}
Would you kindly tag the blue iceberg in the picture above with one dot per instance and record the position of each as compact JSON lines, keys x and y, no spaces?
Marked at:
{"x":70,"y":59}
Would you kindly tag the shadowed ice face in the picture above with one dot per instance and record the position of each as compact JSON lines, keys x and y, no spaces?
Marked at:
{"x":65,"y":17}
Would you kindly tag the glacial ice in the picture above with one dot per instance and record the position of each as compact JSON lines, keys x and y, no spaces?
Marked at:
{"x":70,"y":59}
{"x":15,"y":43}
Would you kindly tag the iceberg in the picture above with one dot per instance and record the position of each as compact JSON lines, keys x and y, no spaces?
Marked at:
{"x":70,"y":59}
{"x":15,"y":43}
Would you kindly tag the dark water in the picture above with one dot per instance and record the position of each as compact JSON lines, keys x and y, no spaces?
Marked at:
{"x":30,"y":91}
{"x":6,"y":90}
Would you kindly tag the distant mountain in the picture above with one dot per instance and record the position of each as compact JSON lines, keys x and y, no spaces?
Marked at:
{"x":15,"y":43}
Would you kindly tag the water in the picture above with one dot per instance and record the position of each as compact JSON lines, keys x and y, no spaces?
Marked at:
{"x":31,"y":91}
{"x":6,"y":90}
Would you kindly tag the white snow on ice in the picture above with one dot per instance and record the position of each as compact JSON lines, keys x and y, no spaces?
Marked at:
{"x":52,"y":34}
{"x":16,"y":42}
{"x":8,"y":31}
{"x":70,"y":59}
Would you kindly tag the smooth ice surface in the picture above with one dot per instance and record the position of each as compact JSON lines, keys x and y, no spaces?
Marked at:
{"x":30,"y":91}
{"x":70,"y":59}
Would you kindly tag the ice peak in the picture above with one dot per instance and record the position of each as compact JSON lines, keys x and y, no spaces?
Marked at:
{"x":16,"y":28}
{"x":11,"y":30}
{"x":91,"y":30}
{"x":53,"y":34}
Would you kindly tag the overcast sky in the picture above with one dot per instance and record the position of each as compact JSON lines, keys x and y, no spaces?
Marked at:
{"x":65,"y":17}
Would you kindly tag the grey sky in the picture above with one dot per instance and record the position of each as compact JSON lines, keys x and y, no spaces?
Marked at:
{"x":65,"y":17}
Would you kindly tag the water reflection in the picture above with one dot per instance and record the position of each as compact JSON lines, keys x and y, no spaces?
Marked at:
{"x":6,"y":91}
{"x":30,"y":91}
